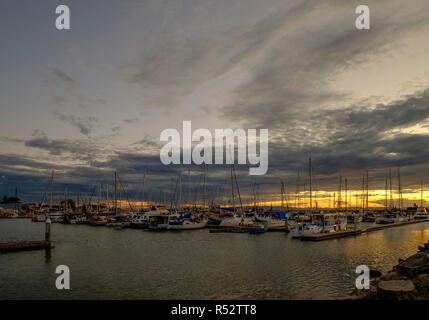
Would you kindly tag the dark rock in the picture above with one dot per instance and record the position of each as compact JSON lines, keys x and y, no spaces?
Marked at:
{"x":410,"y":267}
{"x":395,"y":289}
{"x":392,"y":275}
{"x":374,"y":273}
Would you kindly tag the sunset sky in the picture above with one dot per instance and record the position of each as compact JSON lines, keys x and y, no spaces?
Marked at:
{"x":87,"y":101}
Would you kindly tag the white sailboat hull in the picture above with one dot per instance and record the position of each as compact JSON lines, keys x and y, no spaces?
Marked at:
{"x":187,"y":226}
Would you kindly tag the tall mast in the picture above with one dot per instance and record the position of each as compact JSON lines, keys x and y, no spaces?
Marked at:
{"x":204,"y":195}
{"x":345,"y":190}
{"x":107,"y":197}
{"x":385,"y":196}
{"x":143,"y":182}
{"x":116,"y":191}
{"x":298,"y":190}
{"x":78,"y":199}
{"x":171,"y":193}
{"x":339,"y":192}
{"x":98,"y":196}
{"x":391,"y":204}
{"x":311,"y":190}
{"x":65,"y":201}
{"x":421,"y":195}
{"x":282,"y":190}
{"x":363,"y":192}
{"x":399,"y":190}
{"x":120,"y":192}
{"x":188,"y":200}
{"x":232,"y":190}
{"x":180,"y":191}
{"x":52,"y":191}
{"x":367,"y":190}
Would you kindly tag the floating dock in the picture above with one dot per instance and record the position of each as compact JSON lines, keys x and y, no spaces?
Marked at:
{"x":217,"y":229}
{"x":24,"y":246}
{"x":357,"y":231}
{"x":30,"y":245}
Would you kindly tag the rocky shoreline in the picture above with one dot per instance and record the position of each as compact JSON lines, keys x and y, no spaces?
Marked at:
{"x":408,"y":280}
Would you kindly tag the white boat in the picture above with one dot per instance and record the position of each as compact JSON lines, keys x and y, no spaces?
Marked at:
{"x":186,"y":224}
{"x":141,"y":221}
{"x":269,"y":221}
{"x":79,"y":220}
{"x":354,"y":218}
{"x":158,"y":222}
{"x":273,"y":223}
{"x":331,"y":222}
{"x":56,"y":216}
{"x":40,"y":217}
{"x":388,"y":218}
{"x":116,"y":223}
{"x":305,"y":229}
{"x":322,"y":223}
{"x":421,"y":214}
{"x":236,"y":221}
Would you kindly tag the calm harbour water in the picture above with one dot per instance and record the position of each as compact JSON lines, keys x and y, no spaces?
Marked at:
{"x":134,"y":264}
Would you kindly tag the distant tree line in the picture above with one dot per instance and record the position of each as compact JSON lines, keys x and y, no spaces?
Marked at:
{"x":7,"y":199}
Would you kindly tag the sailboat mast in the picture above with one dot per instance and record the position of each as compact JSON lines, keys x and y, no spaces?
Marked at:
{"x":399,"y":190}
{"x":385,"y":196}
{"x":52,"y":191}
{"x":367,"y":190}
{"x":363,"y":192}
{"x":232,"y":190}
{"x":188,"y":200}
{"x":391,"y":204}
{"x":345,"y":190}
{"x":282,"y":190}
{"x":311,"y":190}
{"x":107,"y":197}
{"x":298,"y":190}
{"x":116,"y":191}
{"x":143,"y":182}
{"x":65,"y":201}
{"x":204,"y":195}
{"x":78,"y":199}
{"x":98,"y":196}
{"x":339,"y":192}
{"x":171,"y":193}
{"x":180,"y":191}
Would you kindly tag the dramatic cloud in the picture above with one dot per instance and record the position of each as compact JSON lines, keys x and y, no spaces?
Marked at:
{"x":85,"y":125}
{"x":351,"y":100}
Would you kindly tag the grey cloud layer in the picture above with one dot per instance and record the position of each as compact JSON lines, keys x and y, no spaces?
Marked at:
{"x":287,"y":59}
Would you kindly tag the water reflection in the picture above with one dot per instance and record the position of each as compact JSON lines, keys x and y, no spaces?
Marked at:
{"x":133,"y":264}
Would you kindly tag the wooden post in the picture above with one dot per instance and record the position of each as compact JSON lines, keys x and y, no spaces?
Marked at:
{"x":48,"y":230}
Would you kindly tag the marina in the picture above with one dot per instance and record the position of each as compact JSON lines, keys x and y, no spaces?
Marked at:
{"x":196,"y":263}
{"x":354,"y":232}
